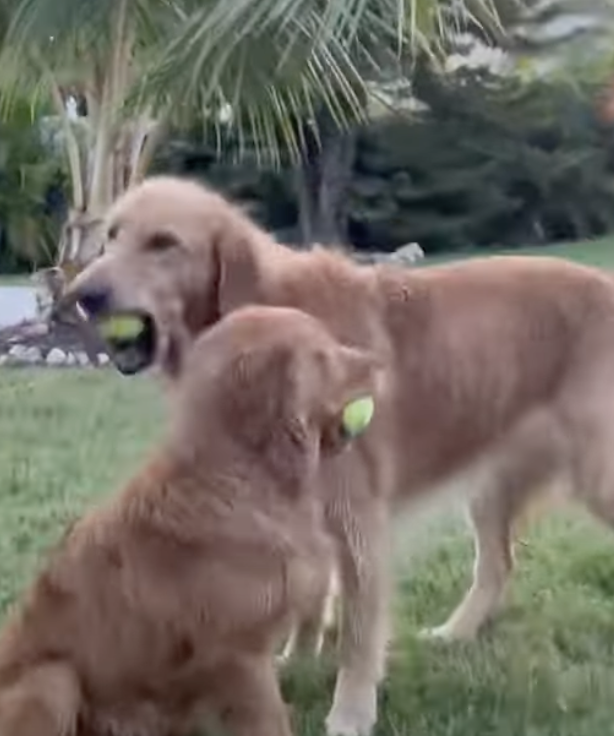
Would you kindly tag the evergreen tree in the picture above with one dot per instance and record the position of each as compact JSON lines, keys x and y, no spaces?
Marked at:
{"x":490,"y":162}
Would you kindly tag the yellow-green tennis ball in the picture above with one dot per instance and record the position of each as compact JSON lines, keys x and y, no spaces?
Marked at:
{"x":357,"y":415}
{"x":121,"y":327}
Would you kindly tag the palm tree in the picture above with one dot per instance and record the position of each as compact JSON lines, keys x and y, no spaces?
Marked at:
{"x":87,"y":54}
{"x":130,"y":68}
{"x":299,"y":74}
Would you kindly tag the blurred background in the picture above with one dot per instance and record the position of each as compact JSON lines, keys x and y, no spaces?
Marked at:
{"x":463,"y":125}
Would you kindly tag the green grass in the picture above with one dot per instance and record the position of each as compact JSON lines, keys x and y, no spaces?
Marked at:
{"x":599,"y":252}
{"x":15,"y":280}
{"x":546,"y":669}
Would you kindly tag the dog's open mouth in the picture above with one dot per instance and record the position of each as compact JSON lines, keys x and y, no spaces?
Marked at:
{"x":130,"y":337}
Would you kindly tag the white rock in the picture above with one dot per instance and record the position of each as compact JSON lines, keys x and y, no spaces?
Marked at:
{"x":70,"y":359}
{"x":19,"y":352}
{"x":103,"y":359}
{"x":32,"y":355}
{"x":409,"y":253}
{"x":82,"y":358}
{"x":4,"y":359}
{"x":56,"y":357}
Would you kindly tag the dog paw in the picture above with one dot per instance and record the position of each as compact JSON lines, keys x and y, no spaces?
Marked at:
{"x":445,"y":633}
{"x":357,"y":720}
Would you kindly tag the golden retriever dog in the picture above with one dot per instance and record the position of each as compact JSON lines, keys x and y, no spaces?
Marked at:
{"x":165,"y":603}
{"x":499,"y":376}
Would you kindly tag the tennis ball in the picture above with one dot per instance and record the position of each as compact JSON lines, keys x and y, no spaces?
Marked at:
{"x":357,"y":415}
{"x":121,"y":327}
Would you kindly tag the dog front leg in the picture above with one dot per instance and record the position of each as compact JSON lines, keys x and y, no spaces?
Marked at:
{"x":364,"y":627}
{"x":310,"y":634}
{"x":249,"y":701}
{"x":45,"y":701}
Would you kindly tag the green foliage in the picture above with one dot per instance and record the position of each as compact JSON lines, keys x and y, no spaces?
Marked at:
{"x":29,"y":172}
{"x":489,"y":162}
{"x":234,"y":167}
{"x":276,"y":60}
{"x":270,"y":60}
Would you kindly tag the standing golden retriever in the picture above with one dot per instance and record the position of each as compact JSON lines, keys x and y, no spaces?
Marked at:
{"x":499,"y":376}
{"x":167,"y":602}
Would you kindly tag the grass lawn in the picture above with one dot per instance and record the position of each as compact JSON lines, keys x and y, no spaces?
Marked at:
{"x":598,"y":252}
{"x":545,"y":669}
{"x":15,"y":280}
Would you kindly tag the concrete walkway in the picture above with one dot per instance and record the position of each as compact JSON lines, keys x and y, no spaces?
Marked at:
{"x":16,"y":304}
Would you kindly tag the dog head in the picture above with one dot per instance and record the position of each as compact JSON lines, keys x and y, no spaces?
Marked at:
{"x":176,"y":257}
{"x":276,"y":382}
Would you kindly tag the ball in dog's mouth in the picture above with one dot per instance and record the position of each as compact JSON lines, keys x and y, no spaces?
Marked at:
{"x":130,"y":337}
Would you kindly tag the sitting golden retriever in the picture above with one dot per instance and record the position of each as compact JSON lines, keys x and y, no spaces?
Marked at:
{"x":166,"y":602}
{"x":499,"y":376}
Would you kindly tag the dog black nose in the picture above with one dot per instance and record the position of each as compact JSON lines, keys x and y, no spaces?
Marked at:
{"x":94,"y":300}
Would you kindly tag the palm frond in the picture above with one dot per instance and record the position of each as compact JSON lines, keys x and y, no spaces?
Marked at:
{"x":271,"y":61}
{"x":274,"y":61}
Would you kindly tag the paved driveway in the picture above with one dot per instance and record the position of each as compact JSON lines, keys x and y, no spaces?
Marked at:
{"x":16,"y":304}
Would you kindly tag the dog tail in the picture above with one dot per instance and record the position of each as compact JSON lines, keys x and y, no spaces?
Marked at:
{"x":44,"y":701}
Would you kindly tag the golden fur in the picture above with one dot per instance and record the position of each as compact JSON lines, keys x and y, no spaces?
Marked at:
{"x":166,"y":602}
{"x":499,"y":376}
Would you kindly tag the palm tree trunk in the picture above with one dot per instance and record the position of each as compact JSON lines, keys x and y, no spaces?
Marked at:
{"x":147,"y":138}
{"x":72,"y":148}
{"x":322,"y":180}
{"x":106,"y":93}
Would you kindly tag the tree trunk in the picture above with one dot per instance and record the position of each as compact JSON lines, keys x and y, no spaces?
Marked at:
{"x":81,"y":240}
{"x":322,"y":181}
{"x":112,"y":157}
{"x":307,"y":189}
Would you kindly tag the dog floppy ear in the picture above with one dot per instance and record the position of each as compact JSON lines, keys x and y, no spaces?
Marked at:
{"x":265,"y":413}
{"x":355,"y":403}
{"x":238,"y":269}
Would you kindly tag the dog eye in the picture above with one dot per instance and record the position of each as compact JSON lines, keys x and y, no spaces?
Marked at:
{"x":162,"y":242}
{"x":112,"y":232}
